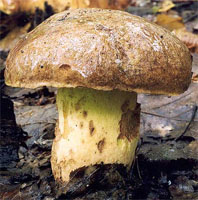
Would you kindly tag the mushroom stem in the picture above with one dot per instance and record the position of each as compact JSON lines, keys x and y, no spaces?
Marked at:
{"x":94,"y":127}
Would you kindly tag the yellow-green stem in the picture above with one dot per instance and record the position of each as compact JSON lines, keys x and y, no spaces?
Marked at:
{"x":94,"y":127}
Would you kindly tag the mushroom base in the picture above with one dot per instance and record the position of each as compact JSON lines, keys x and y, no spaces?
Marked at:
{"x":94,"y":127}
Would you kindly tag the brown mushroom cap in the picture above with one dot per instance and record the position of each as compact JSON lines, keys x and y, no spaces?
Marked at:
{"x":100,"y":49}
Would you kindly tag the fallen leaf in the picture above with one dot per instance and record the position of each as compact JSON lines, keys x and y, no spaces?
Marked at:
{"x":115,"y":4}
{"x":190,"y":39}
{"x":13,"y":6}
{"x":12,"y":37}
{"x":170,"y":22}
{"x":195,"y":78}
{"x":166,"y":6}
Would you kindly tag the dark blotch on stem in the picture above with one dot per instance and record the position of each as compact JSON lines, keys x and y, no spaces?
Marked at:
{"x":81,"y":124}
{"x":84,"y":113}
{"x":129,"y":123}
{"x":91,"y":127}
{"x":79,"y":103}
{"x":125,"y":106}
{"x":101,"y":144}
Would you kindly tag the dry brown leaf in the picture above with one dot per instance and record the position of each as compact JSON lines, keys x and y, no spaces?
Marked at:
{"x":113,"y":4}
{"x":195,"y":78}
{"x":190,"y":39}
{"x":14,"y":6}
{"x":12,"y":37}
{"x":170,"y":22}
{"x":193,"y":146}
{"x":166,"y":6}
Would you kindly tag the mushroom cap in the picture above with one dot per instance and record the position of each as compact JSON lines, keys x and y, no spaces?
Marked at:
{"x":100,"y":49}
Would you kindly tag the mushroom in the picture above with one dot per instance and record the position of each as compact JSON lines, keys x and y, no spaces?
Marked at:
{"x":99,"y":60}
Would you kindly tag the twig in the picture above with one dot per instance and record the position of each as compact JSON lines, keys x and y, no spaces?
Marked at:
{"x":171,"y":118}
{"x":2,"y":86}
{"x":166,"y":104}
{"x":138,"y":170}
{"x":187,"y":127}
{"x":190,"y":18}
{"x":185,"y":111}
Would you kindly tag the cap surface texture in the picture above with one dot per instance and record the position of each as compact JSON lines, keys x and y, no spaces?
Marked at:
{"x":100,"y":49}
